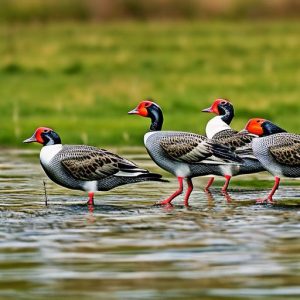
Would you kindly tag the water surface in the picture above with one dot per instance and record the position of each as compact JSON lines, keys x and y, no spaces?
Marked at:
{"x":222,"y":247}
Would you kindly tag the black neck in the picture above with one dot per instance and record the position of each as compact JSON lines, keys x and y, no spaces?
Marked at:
{"x":51,"y":138}
{"x":270,"y":128}
{"x":226,"y":113}
{"x":157,"y":118}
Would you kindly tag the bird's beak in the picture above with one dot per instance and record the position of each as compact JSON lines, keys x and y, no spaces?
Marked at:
{"x":30,"y":140}
{"x":134,"y":112}
{"x":208,"y":110}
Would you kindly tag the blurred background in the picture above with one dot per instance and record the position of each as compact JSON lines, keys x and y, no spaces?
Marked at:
{"x":79,"y":66}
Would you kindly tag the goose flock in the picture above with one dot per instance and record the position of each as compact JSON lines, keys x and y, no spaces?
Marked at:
{"x":223,"y":151}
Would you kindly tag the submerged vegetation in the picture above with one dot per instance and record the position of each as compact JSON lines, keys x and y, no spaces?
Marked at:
{"x":82,"y":79}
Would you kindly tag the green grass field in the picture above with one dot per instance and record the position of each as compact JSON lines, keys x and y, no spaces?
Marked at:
{"x":82,"y":79}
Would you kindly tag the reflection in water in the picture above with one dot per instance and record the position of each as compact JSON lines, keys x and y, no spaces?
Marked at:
{"x":210,"y":198}
{"x":227,"y":196}
{"x":222,"y":247}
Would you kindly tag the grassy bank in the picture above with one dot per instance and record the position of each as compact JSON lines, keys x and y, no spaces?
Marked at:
{"x":82,"y":79}
{"x":107,"y":10}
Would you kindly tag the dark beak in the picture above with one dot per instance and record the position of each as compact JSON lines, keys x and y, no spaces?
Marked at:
{"x":134,"y":112}
{"x":30,"y":140}
{"x":208,"y":110}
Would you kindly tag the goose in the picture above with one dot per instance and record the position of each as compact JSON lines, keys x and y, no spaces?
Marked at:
{"x":183,"y":154}
{"x":218,"y":129}
{"x":277,"y":150}
{"x":85,"y":168}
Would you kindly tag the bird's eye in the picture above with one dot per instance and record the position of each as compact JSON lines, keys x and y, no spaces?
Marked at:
{"x":46,"y":130}
{"x":223,"y":102}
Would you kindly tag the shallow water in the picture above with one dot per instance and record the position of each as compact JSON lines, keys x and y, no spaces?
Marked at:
{"x":222,"y":247}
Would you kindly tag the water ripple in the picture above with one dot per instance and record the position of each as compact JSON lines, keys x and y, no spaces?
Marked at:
{"x":222,"y":247}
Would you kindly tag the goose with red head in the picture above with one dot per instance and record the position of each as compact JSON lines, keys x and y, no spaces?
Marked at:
{"x":86,"y":168}
{"x":218,"y":129}
{"x":277,"y":150}
{"x":183,"y":154}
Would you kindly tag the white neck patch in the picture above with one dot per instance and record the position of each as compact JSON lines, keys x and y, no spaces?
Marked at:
{"x":48,"y":152}
{"x":146,"y":136}
{"x":215,"y":125}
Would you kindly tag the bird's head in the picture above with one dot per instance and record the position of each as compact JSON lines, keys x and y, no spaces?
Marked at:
{"x":262,"y":127}
{"x":149,"y":109}
{"x":255,"y":126}
{"x":45,"y":136}
{"x":146,"y":108}
{"x":219,"y":107}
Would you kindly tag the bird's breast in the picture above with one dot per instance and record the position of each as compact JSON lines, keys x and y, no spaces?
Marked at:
{"x":48,"y":152}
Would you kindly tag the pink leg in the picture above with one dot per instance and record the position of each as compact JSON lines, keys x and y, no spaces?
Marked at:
{"x":269,"y":199}
{"x":225,"y":186}
{"x":210,"y":182}
{"x":175,"y":194}
{"x":91,"y":198}
{"x":188,"y":192}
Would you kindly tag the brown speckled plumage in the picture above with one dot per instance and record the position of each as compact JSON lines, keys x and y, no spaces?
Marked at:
{"x":288,"y":152}
{"x":76,"y":165}
{"x":233,"y":138}
{"x":241,"y":143}
{"x":279,"y":153}
{"x":186,"y":147}
{"x":90,"y":163}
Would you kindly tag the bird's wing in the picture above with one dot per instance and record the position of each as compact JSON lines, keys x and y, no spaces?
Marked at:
{"x":241,"y":142}
{"x":287,"y":153}
{"x":193,"y":148}
{"x":186,"y":147}
{"x":234,"y":139}
{"x":91,"y":163}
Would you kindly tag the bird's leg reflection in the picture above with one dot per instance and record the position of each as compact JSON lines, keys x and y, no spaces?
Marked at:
{"x":91,"y":208}
{"x":90,"y":204}
{"x":210,"y":198}
{"x":90,"y":217}
{"x":227,"y":196}
{"x":169,"y":207}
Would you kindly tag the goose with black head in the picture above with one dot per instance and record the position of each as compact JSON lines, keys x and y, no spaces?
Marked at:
{"x":183,"y":154}
{"x":86,"y":168}
{"x":277,"y":150}
{"x":218,"y":129}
